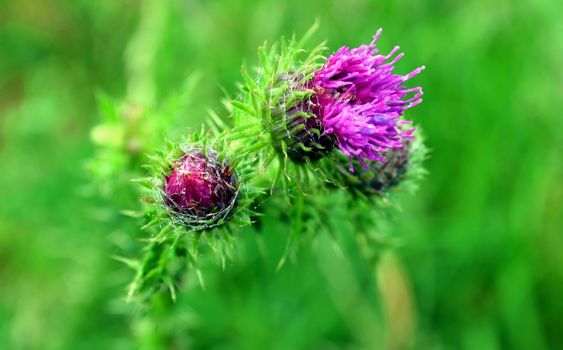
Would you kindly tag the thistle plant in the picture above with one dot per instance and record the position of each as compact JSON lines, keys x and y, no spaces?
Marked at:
{"x":192,"y":197}
{"x":306,"y":131}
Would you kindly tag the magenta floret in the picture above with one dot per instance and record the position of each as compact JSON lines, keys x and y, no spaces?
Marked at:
{"x":361,"y":101}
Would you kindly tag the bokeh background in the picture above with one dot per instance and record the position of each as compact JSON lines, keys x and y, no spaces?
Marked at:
{"x":480,"y":265}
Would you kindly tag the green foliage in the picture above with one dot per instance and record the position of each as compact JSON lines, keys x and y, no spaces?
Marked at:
{"x":251,"y":112}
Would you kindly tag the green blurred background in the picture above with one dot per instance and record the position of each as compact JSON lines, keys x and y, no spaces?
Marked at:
{"x":481,"y":260}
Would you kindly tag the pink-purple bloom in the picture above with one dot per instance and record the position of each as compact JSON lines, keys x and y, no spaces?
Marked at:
{"x":200,"y":189}
{"x":361,"y":101}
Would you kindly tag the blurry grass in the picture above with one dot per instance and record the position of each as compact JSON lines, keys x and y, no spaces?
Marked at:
{"x":482,"y":237}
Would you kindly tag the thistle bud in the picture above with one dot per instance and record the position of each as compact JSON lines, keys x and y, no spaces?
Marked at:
{"x":378,"y":177}
{"x":200,"y":191}
{"x":296,"y":122}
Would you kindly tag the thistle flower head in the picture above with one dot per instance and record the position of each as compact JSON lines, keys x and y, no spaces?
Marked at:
{"x":296,"y":121}
{"x":361,"y":101}
{"x":200,"y":190}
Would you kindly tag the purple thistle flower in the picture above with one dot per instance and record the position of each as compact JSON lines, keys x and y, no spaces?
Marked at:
{"x":361,"y":101}
{"x":200,"y":189}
